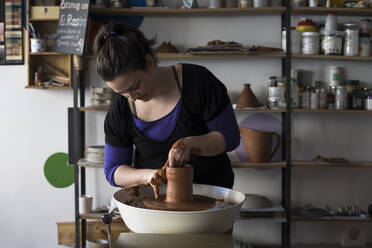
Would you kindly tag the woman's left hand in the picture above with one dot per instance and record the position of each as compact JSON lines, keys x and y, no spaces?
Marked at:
{"x":179,"y":154}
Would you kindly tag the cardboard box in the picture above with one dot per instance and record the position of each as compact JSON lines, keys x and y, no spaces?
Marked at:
{"x":46,"y":12}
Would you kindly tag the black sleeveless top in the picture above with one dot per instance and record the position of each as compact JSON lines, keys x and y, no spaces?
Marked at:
{"x":203,"y":98}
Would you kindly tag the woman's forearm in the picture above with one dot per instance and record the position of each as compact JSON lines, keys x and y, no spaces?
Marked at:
{"x":210,"y":144}
{"x":126,"y":176}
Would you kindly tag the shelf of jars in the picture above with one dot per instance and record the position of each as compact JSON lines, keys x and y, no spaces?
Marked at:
{"x":187,"y":12}
{"x":94,"y":109}
{"x":45,"y":53}
{"x":246,"y":164}
{"x":295,"y":218}
{"x":338,"y":11}
{"x":48,"y":87}
{"x":323,"y":246}
{"x":259,"y":110}
{"x":331,"y":57}
{"x":85,"y":163}
{"x":315,"y":164}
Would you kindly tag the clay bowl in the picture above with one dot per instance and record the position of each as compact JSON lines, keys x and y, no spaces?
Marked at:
{"x":218,"y":219}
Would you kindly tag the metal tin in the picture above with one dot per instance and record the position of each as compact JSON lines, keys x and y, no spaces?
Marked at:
{"x":310,"y":43}
{"x":341,"y":97}
{"x":331,"y":43}
{"x":351,"y":47}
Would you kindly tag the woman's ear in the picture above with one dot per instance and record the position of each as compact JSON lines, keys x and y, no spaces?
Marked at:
{"x":150,"y":63}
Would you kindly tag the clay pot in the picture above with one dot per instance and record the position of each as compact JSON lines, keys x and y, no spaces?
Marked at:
{"x":247,"y":98}
{"x":167,"y":48}
{"x":258,"y":144}
{"x":179,"y":187}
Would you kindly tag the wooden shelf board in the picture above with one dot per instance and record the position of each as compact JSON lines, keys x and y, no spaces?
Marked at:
{"x":352,"y":164}
{"x":187,"y":12}
{"x":338,"y":11}
{"x":84,"y":163}
{"x":44,"y":19}
{"x":331,"y":57}
{"x":331,"y":219}
{"x":274,"y":219}
{"x":258,"y":165}
{"x":94,"y":109}
{"x":48,"y":87}
{"x":213,"y":56}
{"x":332,"y":111}
{"x":242,"y":111}
{"x":47,"y":53}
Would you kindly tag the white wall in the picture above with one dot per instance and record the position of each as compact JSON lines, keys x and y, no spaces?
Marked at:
{"x":34,"y":125}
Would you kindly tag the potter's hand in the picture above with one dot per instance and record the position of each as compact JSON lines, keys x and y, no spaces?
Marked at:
{"x":156,"y":178}
{"x":179,"y":154}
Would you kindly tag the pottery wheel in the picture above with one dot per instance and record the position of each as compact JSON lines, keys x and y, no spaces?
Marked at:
{"x":199,"y":203}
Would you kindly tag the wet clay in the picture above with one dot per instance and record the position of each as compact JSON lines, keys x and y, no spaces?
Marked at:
{"x":179,"y":194}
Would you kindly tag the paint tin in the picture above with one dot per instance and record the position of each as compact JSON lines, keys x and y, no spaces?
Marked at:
{"x":351,"y":47}
{"x":331,"y":42}
{"x":310,"y":43}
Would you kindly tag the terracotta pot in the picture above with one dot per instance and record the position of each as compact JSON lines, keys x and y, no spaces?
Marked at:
{"x":179,"y":187}
{"x":258,"y":144}
{"x":247,"y":98}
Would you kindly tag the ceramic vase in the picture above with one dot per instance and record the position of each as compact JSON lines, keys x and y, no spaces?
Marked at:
{"x":258,"y":144}
{"x":247,"y":98}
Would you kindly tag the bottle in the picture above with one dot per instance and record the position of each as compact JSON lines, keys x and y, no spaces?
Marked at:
{"x":294,"y":89}
{"x":357,"y":100}
{"x":331,"y":98}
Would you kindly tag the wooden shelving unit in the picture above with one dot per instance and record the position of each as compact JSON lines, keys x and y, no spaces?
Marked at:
{"x":61,"y":63}
{"x":258,"y":165}
{"x":312,"y":164}
{"x":338,"y":11}
{"x":331,"y":57}
{"x":331,"y":219}
{"x":187,"y":12}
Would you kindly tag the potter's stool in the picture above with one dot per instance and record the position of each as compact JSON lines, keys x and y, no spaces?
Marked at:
{"x":152,"y":240}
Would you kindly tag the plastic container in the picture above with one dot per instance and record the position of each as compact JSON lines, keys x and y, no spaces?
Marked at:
{"x":334,"y":75}
{"x":306,"y":25}
{"x":330,"y":23}
{"x":295,"y":40}
{"x":310,"y":43}
{"x":331,"y":42}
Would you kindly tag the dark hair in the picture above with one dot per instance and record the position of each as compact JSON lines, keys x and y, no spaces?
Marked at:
{"x":120,"y":48}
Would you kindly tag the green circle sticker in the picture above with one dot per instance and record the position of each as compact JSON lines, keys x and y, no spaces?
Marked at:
{"x":57,"y":171}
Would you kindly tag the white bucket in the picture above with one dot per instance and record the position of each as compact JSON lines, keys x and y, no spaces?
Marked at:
{"x":38,"y":45}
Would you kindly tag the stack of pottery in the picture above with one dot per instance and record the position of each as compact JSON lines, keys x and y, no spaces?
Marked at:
{"x":247,"y":99}
{"x":101,"y":97}
{"x":167,"y":48}
{"x":95,"y":154}
{"x":258,"y":144}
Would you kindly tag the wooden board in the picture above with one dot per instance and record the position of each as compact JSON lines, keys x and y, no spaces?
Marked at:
{"x":146,"y":240}
{"x":95,"y":230}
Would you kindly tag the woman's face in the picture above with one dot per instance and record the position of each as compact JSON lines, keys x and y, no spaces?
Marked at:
{"x":133,"y":85}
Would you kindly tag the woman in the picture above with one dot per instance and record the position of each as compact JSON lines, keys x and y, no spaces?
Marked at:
{"x":155,"y":107}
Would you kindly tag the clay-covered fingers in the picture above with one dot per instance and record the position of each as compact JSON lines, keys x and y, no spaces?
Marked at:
{"x":178,"y":157}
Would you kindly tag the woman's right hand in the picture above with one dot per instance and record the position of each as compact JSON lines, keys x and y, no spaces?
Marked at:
{"x":156,"y":178}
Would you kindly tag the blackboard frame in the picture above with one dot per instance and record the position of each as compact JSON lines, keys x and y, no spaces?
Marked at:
{"x":72,"y":27}
{"x":11,"y":32}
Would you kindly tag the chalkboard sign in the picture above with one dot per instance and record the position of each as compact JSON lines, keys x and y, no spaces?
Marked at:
{"x":72,"y":26}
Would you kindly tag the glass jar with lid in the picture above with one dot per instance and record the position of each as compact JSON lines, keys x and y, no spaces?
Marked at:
{"x":351,"y":45}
